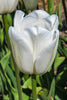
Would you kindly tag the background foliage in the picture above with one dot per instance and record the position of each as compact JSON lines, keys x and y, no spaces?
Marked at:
{"x":50,"y":86}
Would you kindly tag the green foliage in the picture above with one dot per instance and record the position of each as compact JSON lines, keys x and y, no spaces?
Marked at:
{"x":50,"y":6}
{"x":58,"y":61}
{"x":50,"y":86}
{"x":59,"y":12}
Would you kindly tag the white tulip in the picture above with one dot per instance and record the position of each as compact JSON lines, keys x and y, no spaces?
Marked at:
{"x":7,"y":6}
{"x":38,"y":99}
{"x":34,"y":40}
{"x":30,"y":4}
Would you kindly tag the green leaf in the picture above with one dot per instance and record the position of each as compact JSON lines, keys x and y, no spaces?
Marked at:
{"x":38,"y":89}
{"x":6,"y":97}
{"x":50,"y":6}
{"x":65,"y":51}
{"x":1,"y":36}
{"x":43,"y":91}
{"x":60,"y":50}
{"x":27,"y":84}
{"x":25,"y":97}
{"x":57,"y":98}
{"x":61,"y":77}
{"x":15,"y":92}
{"x":3,"y":82}
{"x":12,"y":77}
{"x":4,"y":61}
{"x":9,"y":19}
{"x":25,"y":77}
{"x":38,"y":80}
{"x":1,"y":86}
{"x":52,"y":89}
{"x":43,"y":96}
{"x":58,"y":62}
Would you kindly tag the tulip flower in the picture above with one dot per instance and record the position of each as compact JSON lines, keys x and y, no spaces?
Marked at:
{"x":30,"y":4}
{"x":34,"y":40}
{"x":7,"y":6}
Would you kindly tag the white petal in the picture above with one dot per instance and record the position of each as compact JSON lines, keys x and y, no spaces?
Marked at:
{"x":52,"y":22}
{"x":41,"y":40}
{"x":36,"y":18}
{"x":54,"y":53}
{"x":46,"y":57}
{"x":21,"y":52}
{"x":38,"y":13}
{"x":12,"y":4}
{"x":18,"y":20}
{"x":38,"y":39}
{"x":2,"y":6}
{"x":7,"y":6}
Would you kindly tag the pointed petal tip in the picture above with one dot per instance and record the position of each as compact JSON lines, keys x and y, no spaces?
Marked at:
{"x":19,"y":12}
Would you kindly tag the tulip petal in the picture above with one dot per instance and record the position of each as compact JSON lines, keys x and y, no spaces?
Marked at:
{"x":37,"y":38}
{"x":52,"y":22}
{"x":3,"y":6}
{"x":21,"y":52}
{"x":36,"y":18}
{"x":18,"y":20}
{"x":38,"y":13}
{"x":7,"y":6}
{"x":12,"y":4}
{"x":46,"y":56}
{"x":41,"y":40}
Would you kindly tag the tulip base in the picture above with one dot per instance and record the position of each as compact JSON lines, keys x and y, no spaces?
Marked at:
{"x":34,"y":94}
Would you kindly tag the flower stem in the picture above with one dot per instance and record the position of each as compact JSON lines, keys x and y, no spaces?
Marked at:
{"x":34,"y":87}
{"x":6,"y":27}
{"x":64,"y":6}
{"x":50,"y":6}
{"x":18,"y":82}
{"x":44,"y":4}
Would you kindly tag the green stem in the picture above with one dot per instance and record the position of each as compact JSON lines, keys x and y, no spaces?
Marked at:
{"x":34,"y":87}
{"x":6,"y":27}
{"x":50,"y":6}
{"x":18,"y":82}
{"x":44,"y":4}
{"x":60,"y":12}
{"x":63,"y":2}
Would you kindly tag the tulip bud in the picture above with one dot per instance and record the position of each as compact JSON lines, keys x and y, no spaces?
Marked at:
{"x":30,"y":4}
{"x":34,"y":40}
{"x":7,"y":6}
